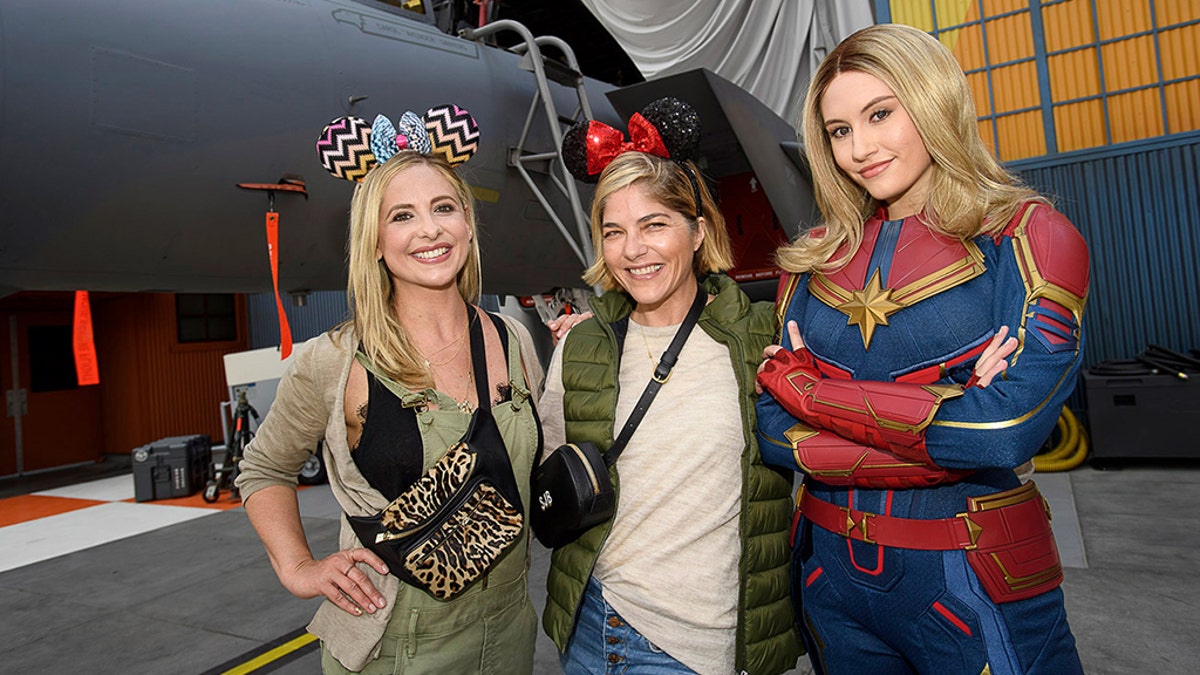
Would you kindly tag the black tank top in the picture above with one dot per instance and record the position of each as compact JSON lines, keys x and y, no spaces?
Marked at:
{"x":390,"y":454}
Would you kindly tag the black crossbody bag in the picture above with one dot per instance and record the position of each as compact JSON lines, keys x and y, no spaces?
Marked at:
{"x":572,"y":491}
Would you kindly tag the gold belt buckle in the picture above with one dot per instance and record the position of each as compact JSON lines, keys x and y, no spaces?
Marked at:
{"x":974,"y":529}
{"x":862,"y":525}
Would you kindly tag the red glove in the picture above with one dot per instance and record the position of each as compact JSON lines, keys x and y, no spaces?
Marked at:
{"x":838,"y":461}
{"x":886,"y":415}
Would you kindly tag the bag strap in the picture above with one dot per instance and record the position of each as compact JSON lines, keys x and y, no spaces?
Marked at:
{"x":661,"y":374}
{"x":479,"y":358}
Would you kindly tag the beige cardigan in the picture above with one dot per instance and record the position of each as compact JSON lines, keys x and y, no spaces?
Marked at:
{"x":309,"y":405}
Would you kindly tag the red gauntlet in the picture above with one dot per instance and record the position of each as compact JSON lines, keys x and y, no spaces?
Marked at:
{"x":887,"y":415}
{"x":837,"y":461}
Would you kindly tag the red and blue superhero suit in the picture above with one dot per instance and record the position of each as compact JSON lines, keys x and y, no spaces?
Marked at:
{"x":918,"y":549}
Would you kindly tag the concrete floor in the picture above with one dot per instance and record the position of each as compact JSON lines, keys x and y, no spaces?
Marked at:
{"x":198,"y":596}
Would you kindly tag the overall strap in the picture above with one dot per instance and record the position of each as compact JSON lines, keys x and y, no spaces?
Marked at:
{"x":408,"y":398}
{"x":478,"y":365}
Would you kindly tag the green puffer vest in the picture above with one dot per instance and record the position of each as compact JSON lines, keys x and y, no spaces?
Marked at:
{"x":767,"y":640}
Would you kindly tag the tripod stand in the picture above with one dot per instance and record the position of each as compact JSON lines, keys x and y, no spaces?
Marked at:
{"x":239,"y":438}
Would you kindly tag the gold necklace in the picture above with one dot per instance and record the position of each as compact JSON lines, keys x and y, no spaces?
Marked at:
{"x":465,"y":404}
{"x":649,"y":355}
{"x":459,"y":341}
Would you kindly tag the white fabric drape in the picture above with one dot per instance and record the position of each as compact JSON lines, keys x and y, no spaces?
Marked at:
{"x":767,"y":47}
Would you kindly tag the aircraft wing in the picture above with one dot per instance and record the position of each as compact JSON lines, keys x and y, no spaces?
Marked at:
{"x":126,"y":127}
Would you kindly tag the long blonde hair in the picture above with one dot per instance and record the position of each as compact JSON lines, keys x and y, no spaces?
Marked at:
{"x":370,"y":291}
{"x":666,"y":182}
{"x":970,"y":193}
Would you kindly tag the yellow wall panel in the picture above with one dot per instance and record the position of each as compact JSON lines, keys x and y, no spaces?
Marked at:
{"x":916,"y":13}
{"x":1072,"y":30}
{"x":1067,"y":24}
{"x":1009,"y":38}
{"x":1015,"y":86}
{"x":1169,"y":12}
{"x":1021,"y":136}
{"x":1074,"y":75}
{"x":1178,"y":51}
{"x":1122,"y":17}
{"x":1135,"y":115}
{"x":1129,"y":63}
{"x":967,"y":45}
{"x":1079,"y":125}
{"x":1183,"y":106}
{"x":954,"y":12}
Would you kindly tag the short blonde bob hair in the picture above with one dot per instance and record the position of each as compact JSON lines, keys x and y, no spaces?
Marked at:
{"x":370,"y":287}
{"x":664,"y":181}
{"x":970,"y":193}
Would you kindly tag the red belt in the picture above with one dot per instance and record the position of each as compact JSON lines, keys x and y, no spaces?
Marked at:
{"x":991,"y":520}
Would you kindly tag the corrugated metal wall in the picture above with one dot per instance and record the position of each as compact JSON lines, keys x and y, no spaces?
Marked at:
{"x":152,"y":385}
{"x":322,"y":310}
{"x":1138,"y":212}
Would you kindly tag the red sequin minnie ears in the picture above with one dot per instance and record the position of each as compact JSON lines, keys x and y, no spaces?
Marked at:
{"x":667,"y":128}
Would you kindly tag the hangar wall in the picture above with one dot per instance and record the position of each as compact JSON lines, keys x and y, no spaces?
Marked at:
{"x":152,"y":385}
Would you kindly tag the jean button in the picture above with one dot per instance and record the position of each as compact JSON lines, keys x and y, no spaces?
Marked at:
{"x":613,"y":658}
{"x":613,"y":640}
{"x":614,"y":622}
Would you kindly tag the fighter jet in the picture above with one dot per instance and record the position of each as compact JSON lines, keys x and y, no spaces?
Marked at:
{"x":127,"y":127}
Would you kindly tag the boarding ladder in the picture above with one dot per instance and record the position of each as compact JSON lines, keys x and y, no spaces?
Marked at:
{"x":523,"y":158}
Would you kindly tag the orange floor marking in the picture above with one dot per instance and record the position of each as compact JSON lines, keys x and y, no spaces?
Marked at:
{"x":24,"y":508}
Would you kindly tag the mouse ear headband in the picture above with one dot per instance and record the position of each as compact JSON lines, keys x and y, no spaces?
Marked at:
{"x":349,"y":148}
{"x":667,"y":128}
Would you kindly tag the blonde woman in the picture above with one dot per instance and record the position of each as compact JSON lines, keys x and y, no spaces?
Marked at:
{"x":896,"y":389}
{"x":690,"y":574}
{"x":434,"y":357}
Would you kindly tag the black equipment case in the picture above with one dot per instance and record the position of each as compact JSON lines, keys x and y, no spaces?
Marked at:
{"x":1143,"y":416}
{"x":176,"y":466}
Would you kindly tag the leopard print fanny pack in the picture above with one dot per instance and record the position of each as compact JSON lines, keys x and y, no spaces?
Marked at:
{"x":457,"y":521}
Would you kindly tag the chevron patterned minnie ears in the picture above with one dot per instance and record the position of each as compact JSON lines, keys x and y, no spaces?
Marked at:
{"x":348,"y":147}
{"x":667,"y":128}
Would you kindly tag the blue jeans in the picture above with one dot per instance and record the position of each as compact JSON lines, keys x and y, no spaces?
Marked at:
{"x":604,"y":643}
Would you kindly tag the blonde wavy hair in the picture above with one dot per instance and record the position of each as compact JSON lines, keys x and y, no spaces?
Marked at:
{"x":370,"y":288}
{"x":970,"y":193}
{"x":664,"y":181}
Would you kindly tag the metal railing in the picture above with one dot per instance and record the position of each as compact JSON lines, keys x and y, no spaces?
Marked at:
{"x":522,"y":157}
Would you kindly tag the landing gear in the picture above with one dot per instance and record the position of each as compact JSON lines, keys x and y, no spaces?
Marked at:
{"x":313,"y":472}
{"x":211,"y":492}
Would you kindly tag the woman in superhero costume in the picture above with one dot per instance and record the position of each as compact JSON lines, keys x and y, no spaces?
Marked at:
{"x":918,"y":548}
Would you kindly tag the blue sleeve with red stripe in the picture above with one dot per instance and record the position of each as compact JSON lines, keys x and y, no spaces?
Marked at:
{"x":1040,"y":296}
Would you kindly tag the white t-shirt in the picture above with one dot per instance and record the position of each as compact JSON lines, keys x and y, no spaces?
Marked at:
{"x":670,"y":565}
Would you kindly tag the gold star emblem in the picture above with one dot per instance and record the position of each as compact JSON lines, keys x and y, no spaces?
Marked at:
{"x":869,"y":307}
